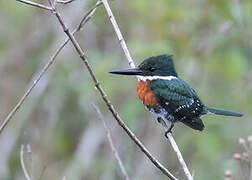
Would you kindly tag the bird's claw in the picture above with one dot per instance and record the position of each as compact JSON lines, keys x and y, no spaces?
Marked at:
{"x":159,"y":119}
{"x":169,"y":130}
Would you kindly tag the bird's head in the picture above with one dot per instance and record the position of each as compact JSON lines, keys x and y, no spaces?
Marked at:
{"x":154,"y":66}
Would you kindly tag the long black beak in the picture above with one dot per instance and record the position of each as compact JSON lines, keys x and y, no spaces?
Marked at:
{"x":131,"y":71}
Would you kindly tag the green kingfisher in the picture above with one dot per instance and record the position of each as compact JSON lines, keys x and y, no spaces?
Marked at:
{"x":169,"y":97}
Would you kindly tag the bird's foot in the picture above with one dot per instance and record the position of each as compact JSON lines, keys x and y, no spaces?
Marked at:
{"x":159,"y":119}
{"x":162,"y":121}
{"x":169,"y":130}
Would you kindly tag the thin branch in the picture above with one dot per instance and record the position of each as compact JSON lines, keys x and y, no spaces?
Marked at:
{"x":180,"y":157}
{"x":131,"y":63}
{"x":104,"y":96}
{"x":64,"y":1}
{"x":33,"y":84}
{"x":35,"y":4}
{"x":106,"y":100}
{"x":29,"y":160}
{"x":248,"y":148}
{"x":119,"y":34}
{"x":113,"y":148}
{"x":41,"y":73}
{"x":250,"y":172}
{"x":178,"y":153}
{"x":88,"y":15}
{"x":42,"y":172}
{"x":27,"y":176}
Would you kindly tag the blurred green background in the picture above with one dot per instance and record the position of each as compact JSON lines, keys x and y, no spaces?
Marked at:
{"x":211,"y":41}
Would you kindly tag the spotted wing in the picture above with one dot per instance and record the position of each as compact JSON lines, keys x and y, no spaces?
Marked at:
{"x":178,"y":98}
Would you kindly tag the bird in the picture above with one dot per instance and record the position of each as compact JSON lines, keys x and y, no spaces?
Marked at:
{"x":169,"y":97}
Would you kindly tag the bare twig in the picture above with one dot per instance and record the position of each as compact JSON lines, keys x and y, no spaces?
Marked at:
{"x":35,"y":4}
{"x":64,"y":1}
{"x":250,"y":172}
{"x":131,"y":63}
{"x":42,"y":172}
{"x":41,"y":73}
{"x":29,"y":160}
{"x":88,"y":15}
{"x":27,"y":176}
{"x":113,"y":148}
{"x":52,"y":3}
{"x":119,"y":34}
{"x":108,"y":103}
{"x":33,"y":84}
{"x":180,"y":157}
{"x":104,"y":96}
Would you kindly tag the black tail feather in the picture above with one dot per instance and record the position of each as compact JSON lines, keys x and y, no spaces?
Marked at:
{"x":223,"y":112}
{"x":195,"y":123}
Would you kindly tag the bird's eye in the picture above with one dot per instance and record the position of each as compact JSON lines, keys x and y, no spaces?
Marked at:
{"x":152,"y":69}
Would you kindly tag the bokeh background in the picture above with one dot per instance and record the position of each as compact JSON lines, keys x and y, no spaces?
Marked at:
{"x":211,"y":41}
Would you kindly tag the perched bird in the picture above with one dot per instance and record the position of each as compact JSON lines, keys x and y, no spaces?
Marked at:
{"x":169,"y":97}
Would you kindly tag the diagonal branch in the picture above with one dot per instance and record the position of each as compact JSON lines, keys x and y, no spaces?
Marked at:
{"x":105,"y":98}
{"x":87,"y":17}
{"x":113,"y":148}
{"x":35,"y":4}
{"x":41,"y":73}
{"x":131,"y":63}
{"x":64,"y":1}
{"x":119,"y":34}
{"x":180,"y":157}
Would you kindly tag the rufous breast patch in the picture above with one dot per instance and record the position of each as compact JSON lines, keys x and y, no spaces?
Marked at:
{"x":146,"y":94}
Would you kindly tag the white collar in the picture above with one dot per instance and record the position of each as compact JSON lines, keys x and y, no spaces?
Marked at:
{"x":146,"y":78}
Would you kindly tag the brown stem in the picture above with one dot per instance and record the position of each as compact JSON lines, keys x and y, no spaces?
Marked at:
{"x":35,"y":4}
{"x":106,"y":100}
{"x":104,"y":96}
{"x":113,"y":148}
{"x":64,"y":1}
{"x":41,"y":73}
